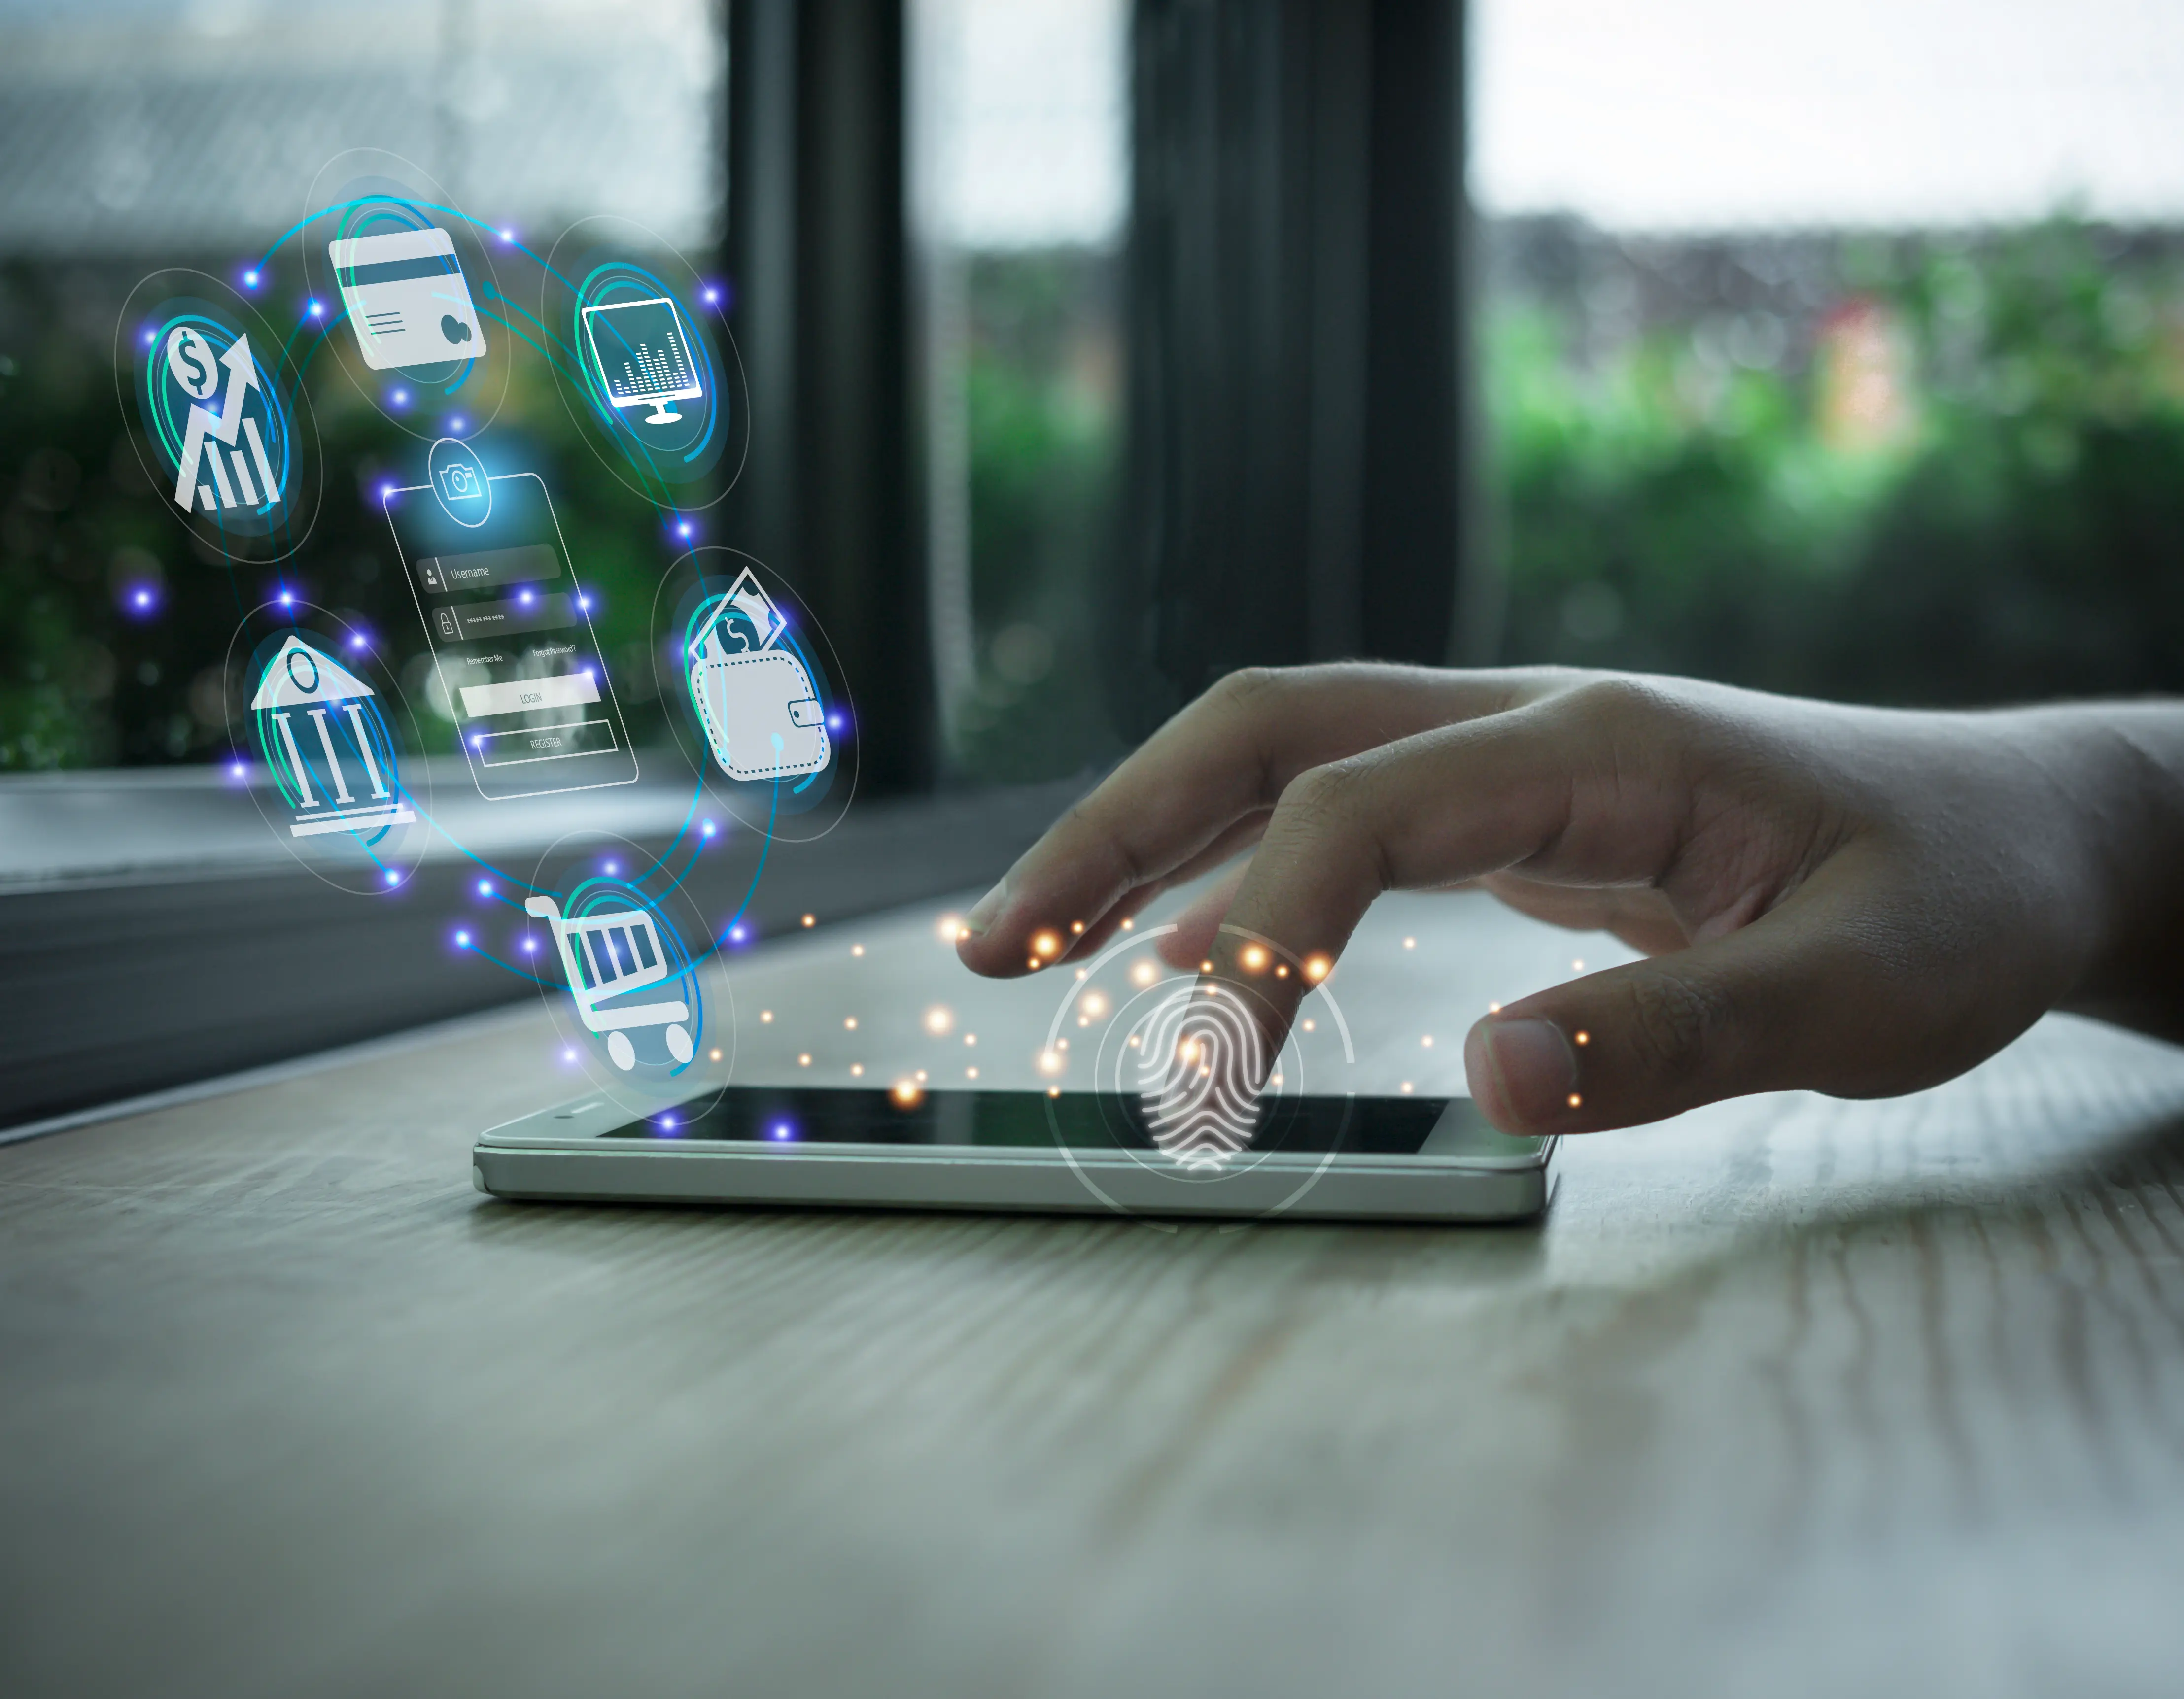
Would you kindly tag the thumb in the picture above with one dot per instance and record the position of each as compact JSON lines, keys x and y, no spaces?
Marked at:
{"x":1808,"y":998}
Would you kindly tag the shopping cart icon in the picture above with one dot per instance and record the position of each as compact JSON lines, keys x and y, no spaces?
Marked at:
{"x":607,"y":955}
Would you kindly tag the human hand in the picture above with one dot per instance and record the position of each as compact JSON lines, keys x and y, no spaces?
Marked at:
{"x":1849,"y":900}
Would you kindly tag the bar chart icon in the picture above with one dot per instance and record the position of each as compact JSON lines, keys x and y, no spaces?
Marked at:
{"x":641,"y":356}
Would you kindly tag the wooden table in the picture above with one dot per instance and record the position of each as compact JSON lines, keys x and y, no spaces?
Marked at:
{"x":1789,"y":1396}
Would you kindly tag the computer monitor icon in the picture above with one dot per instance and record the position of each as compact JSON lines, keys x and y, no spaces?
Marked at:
{"x":642,"y":356}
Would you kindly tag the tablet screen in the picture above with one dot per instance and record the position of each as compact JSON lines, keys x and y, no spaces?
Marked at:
{"x":789,"y":1119}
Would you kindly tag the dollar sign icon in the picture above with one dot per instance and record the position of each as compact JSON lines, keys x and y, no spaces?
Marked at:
{"x":190,"y":360}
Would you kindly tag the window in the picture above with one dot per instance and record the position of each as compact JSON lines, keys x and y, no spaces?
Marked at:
{"x":1020,"y":201}
{"x":1837,"y":349}
{"x":138,"y":137}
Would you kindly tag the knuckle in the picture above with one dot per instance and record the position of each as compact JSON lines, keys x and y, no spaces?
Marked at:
{"x":1244,"y":685}
{"x":1673,"y":1024}
{"x":1322,"y":795}
{"x":1619,"y":700}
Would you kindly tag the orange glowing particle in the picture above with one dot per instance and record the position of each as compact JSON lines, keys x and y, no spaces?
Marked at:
{"x":1410,"y":943}
{"x":1575,"y":1100}
{"x":970,"y":1073}
{"x":850,"y":1024}
{"x":1584,"y":1038}
{"x":716,"y":1055}
{"x":1427,"y":1041}
{"x":1206,"y":966}
{"x":1407,"y":1088}
{"x":1283,"y":971}
{"x":856,"y":949}
{"x":1032,"y":962}
{"x":921,"y":1076}
{"x":765,"y":1015}
{"x":970,"y":1038}
{"x":1077,"y":926}
{"x":939,"y":1020}
{"x":1254,"y":958}
{"x":1054,"y":1091}
{"x":1128,"y":925}
{"x":856,"y":1070}
{"x":906,"y":1093}
{"x":1143,"y":974}
{"x":1310,"y":1027}
{"x":1317,"y":967}
{"x":804,"y":1060}
{"x":1046,"y":944}
{"x":810,"y":920}
{"x":1494,"y":1008}
{"x":952,"y":928}
{"x":1049,"y":1062}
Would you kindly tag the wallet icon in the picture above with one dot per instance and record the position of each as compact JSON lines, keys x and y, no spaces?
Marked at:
{"x":761,"y":715}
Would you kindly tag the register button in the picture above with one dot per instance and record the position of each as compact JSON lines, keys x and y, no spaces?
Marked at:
{"x":542,"y":742}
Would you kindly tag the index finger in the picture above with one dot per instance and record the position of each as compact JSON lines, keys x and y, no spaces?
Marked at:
{"x":1228,"y":756}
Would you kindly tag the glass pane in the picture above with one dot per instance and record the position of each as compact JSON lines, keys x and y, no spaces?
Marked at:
{"x":1021,"y":181}
{"x":1837,"y":349}
{"x":138,"y":134}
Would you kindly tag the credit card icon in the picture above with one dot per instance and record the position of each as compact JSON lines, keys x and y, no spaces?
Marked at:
{"x":406,"y":295}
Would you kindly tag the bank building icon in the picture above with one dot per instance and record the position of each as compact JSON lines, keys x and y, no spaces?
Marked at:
{"x":328,"y":748}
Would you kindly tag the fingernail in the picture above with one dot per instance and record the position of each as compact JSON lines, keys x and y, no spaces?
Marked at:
{"x":985,"y":908}
{"x":1523,"y":1072}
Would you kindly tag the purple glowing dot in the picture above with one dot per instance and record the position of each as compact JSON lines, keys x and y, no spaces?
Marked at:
{"x":529,"y":944}
{"x":781,"y":1129}
{"x":736,"y":933}
{"x":478,"y":742}
{"x":525,"y":598}
{"x":393,"y":877}
{"x":667,"y":1121}
{"x":568,"y":1056}
{"x":508,"y":236}
{"x":357,"y":642}
{"x":150,"y":337}
{"x":707,"y":828}
{"x":402,"y":397}
{"x":386,"y":493}
{"x":456,"y":424}
{"x":286,"y":599}
{"x":143,"y":598}
{"x":584,"y":602}
{"x":683,"y":529}
{"x":613,"y":870}
{"x":712,"y":295}
{"x":250,"y":278}
{"x":237,"y":770}
{"x":485,"y":888}
{"x":316,"y":310}
{"x":833,"y":722}
{"x":463,"y":939}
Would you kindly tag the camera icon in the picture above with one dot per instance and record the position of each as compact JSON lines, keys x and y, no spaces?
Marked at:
{"x":461,"y":483}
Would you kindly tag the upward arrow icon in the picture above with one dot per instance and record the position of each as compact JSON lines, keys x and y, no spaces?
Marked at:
{"x":223,"y":428}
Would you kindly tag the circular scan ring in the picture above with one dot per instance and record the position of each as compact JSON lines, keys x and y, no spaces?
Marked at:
{"x":224,"y":429}
{"x":763,"y":715}
{"x":333,"y":740}
{"x":1150,"y":1028}
{"x":417,"y":317}
{"x":643,"y":357}
{"x":641,"y":1002}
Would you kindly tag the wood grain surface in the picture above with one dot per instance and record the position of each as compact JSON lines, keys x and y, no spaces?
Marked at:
{"x":1790,"y":1396}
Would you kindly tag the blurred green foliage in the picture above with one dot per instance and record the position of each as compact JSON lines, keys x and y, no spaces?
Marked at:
{"x":2013,"y":533}
{"x":2017,"y":536}
{"x":85,"y":680}
{"x":1043,"y":427}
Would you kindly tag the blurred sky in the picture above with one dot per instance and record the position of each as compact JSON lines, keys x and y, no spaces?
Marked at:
{"x":130,"y":122}
{"x":1703,"y":114}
